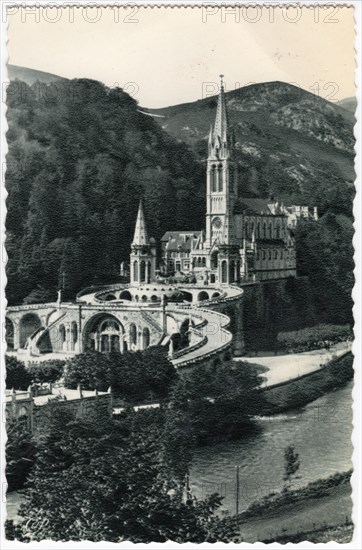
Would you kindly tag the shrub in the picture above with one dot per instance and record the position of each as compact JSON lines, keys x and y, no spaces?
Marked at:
{"x":17,"y":376}
{"x":314,"y":337}
{"x":47,"y":372}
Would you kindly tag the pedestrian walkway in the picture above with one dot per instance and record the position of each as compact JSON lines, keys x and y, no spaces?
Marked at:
{"x":282,"y":368}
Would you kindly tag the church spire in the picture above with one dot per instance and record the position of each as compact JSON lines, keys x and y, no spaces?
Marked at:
{"x":140,"y":233}
{"x":221,"y":120}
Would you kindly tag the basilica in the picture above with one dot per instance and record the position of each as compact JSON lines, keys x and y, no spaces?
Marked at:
{"x":245,"y":239}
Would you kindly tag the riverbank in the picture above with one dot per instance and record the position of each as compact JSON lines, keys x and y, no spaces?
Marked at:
{"x":319,"y":510}
{"x":309,"y":387}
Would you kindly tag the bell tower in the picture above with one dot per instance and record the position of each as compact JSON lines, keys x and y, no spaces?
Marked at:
{"x":221,"y":190}
{"x":143,"y":252}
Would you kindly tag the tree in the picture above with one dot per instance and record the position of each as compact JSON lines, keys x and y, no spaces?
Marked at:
{"x":291,"y":464}
{"x":17,"y":376}
{"x":46,"y":371}
{"x":133,"y":376}
{"x":20,"y":454}
{"x":106,"y":480}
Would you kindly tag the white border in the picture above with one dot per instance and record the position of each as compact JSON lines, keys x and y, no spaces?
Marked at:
{"x":357,"y":349}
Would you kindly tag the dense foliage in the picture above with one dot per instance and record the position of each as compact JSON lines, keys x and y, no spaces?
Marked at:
{"x":325,"y":253}
{"x":133,"y":376}
{"x":80,"y":156}
{"x":106,"y":480}
{"x":46,"y":371}
{"x":17,"y":376}
{"x":216,"y":403}
{"x":20,"y":453}
{"x":318,"y":336}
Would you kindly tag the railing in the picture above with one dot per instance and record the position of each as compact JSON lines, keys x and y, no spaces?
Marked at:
{"x":149,"y":319}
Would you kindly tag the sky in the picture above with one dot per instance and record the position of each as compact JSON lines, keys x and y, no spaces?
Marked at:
{"x":165,"y":56}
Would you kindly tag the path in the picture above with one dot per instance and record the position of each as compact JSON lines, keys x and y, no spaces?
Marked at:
{"x":288,"y":367}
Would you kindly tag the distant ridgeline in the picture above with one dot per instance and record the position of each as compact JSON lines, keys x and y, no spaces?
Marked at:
{"x":81,"y":155}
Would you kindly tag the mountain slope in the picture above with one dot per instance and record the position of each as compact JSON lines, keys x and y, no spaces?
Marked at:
{"x":289,"y":143}
{"x":25,"y":74}
{"x":349,"y":103}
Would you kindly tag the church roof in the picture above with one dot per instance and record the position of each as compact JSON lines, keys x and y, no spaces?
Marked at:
{"x":179,"y":240}
{"x":140,"y":232}
{"x":256,"y":206}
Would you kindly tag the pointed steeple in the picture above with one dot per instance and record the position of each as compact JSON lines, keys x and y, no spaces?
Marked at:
{"x":221,"y":120}
{"x":140,"y":233}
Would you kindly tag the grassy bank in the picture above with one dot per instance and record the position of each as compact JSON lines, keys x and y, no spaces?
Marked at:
{"x":299,"y":392}
{"x":318,"y":512}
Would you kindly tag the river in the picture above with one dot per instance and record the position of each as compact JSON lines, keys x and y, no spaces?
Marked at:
{"x":320,"y":433}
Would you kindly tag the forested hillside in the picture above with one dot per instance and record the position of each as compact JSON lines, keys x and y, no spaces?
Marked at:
{"x":80,"y":157}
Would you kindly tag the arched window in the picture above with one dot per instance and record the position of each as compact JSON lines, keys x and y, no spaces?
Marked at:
{"x":62,"y":334}
{"x":224,"y":271}
{"x":270,"y":231}
{"x":278,"y":231}
{"x":264,"y":255}
{"x":258,"y":231}
{"x":276,"y":254}
{"x":214,"y":259}
{"x":246,"y":230}
{"x":133,"y":334}
{"x":143,"y":271}
{"x":264,"y":230}
{"x":146,"y":338}
{"x":149,"y":272}
{"x":203,"y":262}
{"x":251,"y":229}
{"x":270,"y":254}
{"x":213,"y":178}
{"x":74,"y":333}
{"x":220,"y":177}
{"x":135,"y":271}
{"x":232,"y":272}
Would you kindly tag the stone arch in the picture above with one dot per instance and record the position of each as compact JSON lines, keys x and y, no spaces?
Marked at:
{"x":103,"y":332}
{"x":144,"y":298}
{"x":202,"y":296}
{"x":125,"y":295}
{"x":146,"y":338}
{"x":110,"y":297}
{"x":187,"y":296}
{"x":9,"y":333}
{"x":29,"y":323}
{"x":215,"y":295}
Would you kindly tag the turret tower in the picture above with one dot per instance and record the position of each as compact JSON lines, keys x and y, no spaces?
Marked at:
{"x":143,"y":252}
